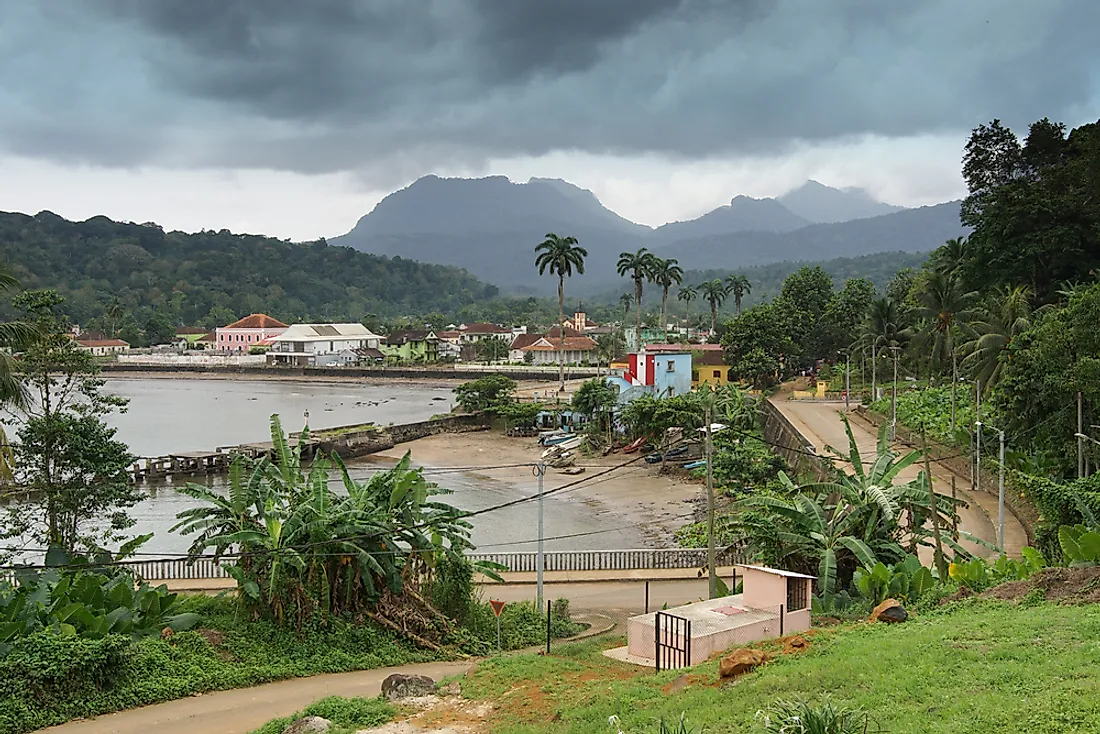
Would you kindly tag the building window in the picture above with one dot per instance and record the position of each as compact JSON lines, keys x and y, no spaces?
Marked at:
{"x":671,"y":366}
{"x":718,"y":374}
{"x":796,"y":594}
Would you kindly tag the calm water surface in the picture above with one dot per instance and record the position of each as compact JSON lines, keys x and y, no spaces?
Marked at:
{"x":167,"y":415}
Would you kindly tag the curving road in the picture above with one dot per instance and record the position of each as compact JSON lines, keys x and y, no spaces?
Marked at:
{"x":820,"y":423}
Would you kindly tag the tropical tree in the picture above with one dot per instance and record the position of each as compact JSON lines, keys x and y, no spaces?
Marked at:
{"x":687,"y":294}
{"x":13,"y":336}
{"x":300,"y":551}
{"x":738,"y":286}
{"x":994,"y":329}
{"x":638,"y":266}
{"x":560,"y":256}
{"x":714,"y":292}
{"x":950,"y":257}
{"x":883,"y":329}
{"x":666,"y":273}
{"x":945,"y":308}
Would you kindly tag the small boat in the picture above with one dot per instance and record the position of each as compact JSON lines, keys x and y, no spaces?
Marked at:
{"x":634,"y":445}
{"x":563,"y":447}
{"x":678,"y":451}
{"x":696,"y":464}
{"x":554,"y":440}
{"x":653,"y":458}
{"x":573,"y":471}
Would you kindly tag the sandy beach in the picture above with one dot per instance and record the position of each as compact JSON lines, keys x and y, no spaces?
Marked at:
{"x":632,"y":495}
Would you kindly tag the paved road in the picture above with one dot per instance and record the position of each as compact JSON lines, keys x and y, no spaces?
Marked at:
{"x":242,"y":710}
{"x":821,"y":425}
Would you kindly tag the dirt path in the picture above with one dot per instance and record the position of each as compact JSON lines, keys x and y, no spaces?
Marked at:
{"x":242,"y":710}
{"x":820,"y":423}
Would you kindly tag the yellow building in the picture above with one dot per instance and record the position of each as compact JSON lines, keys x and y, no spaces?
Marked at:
{"x":709,"y":368}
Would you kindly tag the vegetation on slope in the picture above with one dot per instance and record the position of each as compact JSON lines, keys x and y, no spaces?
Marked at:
{"x":972,"y":667}
{"x":211,"y":277}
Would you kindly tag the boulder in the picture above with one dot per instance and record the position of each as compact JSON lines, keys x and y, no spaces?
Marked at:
{"x":890,"y":611}
{"x":400,"y":685}
{"x":741,"y":661}
{"x":796,"y":643}
{"x":308,"y":725}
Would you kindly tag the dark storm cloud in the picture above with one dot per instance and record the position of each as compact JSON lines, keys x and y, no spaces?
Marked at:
{"x":388,"y":87}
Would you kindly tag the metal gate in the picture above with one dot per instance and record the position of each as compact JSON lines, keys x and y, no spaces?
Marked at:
{"x":672,"y":641}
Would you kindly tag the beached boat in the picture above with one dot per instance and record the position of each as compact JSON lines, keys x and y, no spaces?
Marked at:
{"x":555,"y":439}
{"x":634,"y":445}
{"x":696,"y":464}
{"x":573,"y":471}
{"x":563,"y":447}
{"x":653,"y":458}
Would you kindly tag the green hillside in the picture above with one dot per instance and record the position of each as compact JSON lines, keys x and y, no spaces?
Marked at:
{"x":209,"y":277}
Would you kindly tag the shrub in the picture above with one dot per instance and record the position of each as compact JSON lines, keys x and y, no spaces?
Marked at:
{"x":801,"y":717}
{"x":346,"y":714}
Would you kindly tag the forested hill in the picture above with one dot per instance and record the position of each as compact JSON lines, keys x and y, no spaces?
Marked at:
{"x":209,"y":278}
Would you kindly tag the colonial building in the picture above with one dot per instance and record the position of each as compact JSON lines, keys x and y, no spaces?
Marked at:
{"x":242,"y":335}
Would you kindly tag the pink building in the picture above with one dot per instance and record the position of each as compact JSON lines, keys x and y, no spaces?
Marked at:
{"x":774,"y":603}
{"x":240,"y":336}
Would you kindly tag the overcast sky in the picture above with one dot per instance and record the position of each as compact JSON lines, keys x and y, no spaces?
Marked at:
{"x":294,"y":117}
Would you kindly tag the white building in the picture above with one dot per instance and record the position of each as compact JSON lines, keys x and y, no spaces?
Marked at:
{"x":320,"y":345}
{"x":103,"y":347}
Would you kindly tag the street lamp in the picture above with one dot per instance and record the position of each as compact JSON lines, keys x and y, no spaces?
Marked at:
{"x":847,"y":379}
{"x":1001,"y":485}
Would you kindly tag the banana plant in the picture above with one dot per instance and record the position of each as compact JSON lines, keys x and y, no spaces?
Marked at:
{"x":906,"y":581}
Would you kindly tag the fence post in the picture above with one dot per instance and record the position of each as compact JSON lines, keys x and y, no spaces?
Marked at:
{"x":647,"y":597}
{"x":547,"y":626}
{"x":657,"y":642}
{"x":782,"y":614}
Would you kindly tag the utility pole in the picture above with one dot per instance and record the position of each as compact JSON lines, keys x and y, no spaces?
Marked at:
{"x":1080,"y":432}
{"x":847,"y":381}
{"x":540,"y":471}
{"x":1001,"y":497}
{"x":874,"y":372}
{"x":977,"y":483}
{"x":894,"y":401}
{"x":940,"y":565}
{"x":712,"y":572}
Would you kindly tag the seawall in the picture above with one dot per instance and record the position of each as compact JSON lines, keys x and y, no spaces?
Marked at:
{"x":361,"y":442}
{"x":407,"y":373}
{"x":786,"y":441}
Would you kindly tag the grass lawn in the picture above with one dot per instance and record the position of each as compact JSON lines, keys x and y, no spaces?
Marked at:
{"x":975,"y":667}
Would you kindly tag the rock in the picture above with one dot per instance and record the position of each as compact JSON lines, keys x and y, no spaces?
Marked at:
{"x":308,"y":725}
{"x":454,"y":688}
{"x":166,"y":633}
{"x":890,"y":611}
{"x":796,"y":643}
{"x":400,"y":685}
{"x":741,"y":661}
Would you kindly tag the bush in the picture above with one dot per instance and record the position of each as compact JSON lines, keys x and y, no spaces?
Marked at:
{"x":801,"y":717}
{"x":346,"y":715}
{"x":930,"y":408}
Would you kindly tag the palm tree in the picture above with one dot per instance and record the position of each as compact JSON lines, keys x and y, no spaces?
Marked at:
{"x":14,"y":335}
{"x":113,"y":315}
{"x":994,"y":329}
{"x":665,"y":273}
{"x":945,"y":308}
{"x":738,"y":286}
{"x":948,"y":258}
{"x":639,"y":266}
{"x":714,"y":292}
{"x":883,"y":329}
{"x":687,"y":294}
{"x":561,"y":256}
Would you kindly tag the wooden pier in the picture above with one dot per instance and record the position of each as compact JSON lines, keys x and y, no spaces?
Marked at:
{"x":193,"y":463}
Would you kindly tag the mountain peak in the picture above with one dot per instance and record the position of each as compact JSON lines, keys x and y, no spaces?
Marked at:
{"x":822,"y":204}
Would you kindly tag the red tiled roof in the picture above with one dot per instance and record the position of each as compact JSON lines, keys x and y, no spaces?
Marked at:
{"x":555,"y":332}
{"x":102,"y":343}
{"x":210,"y":337}
{"x":485,"y":328}
{"x":525,"y":340}
{"x":449,"y":334}
{"x":679,"y":348}
{"x":257,"y":321}
{"x":710,"y":358}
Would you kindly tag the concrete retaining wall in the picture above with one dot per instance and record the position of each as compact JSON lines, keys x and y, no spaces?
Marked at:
{"x":786,"y":441}
{"x":380,"y":438}
{"x":469,"y":372}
